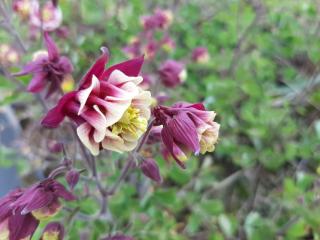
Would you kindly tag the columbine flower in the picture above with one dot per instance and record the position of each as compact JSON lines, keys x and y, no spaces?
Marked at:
{"x":172,"y":73}
{"x":133,"y":49}
{"x":23,"y":8}
{"x":53,"y":231}
{"x":150,"y":49}
{"x":47,"y":68}
{"x":49,"y":17}
{"x":168,"y":44}
{"x":13,"y":225}
{"x":200,"y":55}
{"x":161,"y":19}
{"x":110,"y":108}
{"x":8,"y":55}
{"x":187,"y":128}
{"x":42,"y":199}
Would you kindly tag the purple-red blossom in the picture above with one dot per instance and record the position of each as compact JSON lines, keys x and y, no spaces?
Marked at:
{"x":47,"y":69}
{"x":187,"y":128}
{"x":172,"y":73}
{"x":48,"y":17}
{"x":14,"y":225}
{"x":110,"y":108}
{"x":150,"y":169}
{"x":161,"y":19}
{"x":42,"y":199}
{"x":200,"y":55}
{"x":53,"y":231}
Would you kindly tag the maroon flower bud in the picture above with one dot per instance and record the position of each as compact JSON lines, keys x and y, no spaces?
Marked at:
{"x":72,"y":178}
{"x":172,"y":73}
{"x":53,"y":231}
{"x":54,"y":146}
{"x":150,"y":169}
{"x":200,"y":55}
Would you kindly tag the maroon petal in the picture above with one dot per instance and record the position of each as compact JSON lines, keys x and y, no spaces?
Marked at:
{"x":96,"y":69}
{"x":185,"y":132}
{"x":37,"y":200}
{"x":150,"y":169}
{"x":56,"y":115}
{"x":62,"y":192}
{"x":53,"y":51}
{"x":37,"y":83}
{"x":22,"y":226}
{"x":31,"y":67}
{"x":131,"y":68}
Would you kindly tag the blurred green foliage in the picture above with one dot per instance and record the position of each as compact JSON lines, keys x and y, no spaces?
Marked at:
{"x":262,"y":182}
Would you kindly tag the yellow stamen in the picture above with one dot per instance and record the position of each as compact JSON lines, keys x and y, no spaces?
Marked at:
{"x":131,"y":124}
{"x":50,"y":235}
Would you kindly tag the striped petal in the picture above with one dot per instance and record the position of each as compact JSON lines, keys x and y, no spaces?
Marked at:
{"x":84,"y":131}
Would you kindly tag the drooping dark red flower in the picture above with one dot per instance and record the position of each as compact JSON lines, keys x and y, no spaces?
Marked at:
{"x":172,"y":73}
{"x":187,"y":128}
{"x":48,"y":69}
{"x":53,"y":231}
{"x":13,"y":225}
{"x":42,"y":199}
{"x":110,"y":108}
{"x":200,"y":55}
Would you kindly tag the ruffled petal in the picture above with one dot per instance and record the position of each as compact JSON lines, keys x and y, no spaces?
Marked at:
{"x":84,"y":131}
{"x":37,"y":83}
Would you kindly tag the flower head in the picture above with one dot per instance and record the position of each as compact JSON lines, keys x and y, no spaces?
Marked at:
{"x":53,"y":231}
{"x":172,"y":73}
{"x":187,"y":128}
{"x":161,"y":19}
{"x":110,"y":108}
{"x":47,"y":68}
{"x":23,"y":8}
{"x":8,"y":55}
{"x":13,"y":225}
{"x":133,"y":49}
{"x":200,"y":55}
{"x":42,"y":199}
{"x":49,"y":17}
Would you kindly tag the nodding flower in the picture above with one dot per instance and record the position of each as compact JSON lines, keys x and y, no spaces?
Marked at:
{"x":172,"y":73}
{"x":186,"y":128}
{"x":48,"y":69}
{"x":110,"y":108}
{"x":53,"y":231}
{"x":200,"y":55}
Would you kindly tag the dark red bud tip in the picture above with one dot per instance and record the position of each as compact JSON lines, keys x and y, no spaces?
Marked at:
{"x":150,"y":169}
{"x":72,"y":178}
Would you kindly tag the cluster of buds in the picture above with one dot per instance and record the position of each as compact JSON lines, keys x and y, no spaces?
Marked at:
{"x":47,"y":16}
{"x":22,"y":210}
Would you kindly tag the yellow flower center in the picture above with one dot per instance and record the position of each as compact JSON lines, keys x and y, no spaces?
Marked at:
{"x":47,"y":15}
{"x":50,"y":235}
{"x":131,"y":123}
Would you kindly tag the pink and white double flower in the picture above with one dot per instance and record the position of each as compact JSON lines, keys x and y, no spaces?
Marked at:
{"x":110,"y":109}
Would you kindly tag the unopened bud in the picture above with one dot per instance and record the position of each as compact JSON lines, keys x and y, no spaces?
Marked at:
{"x":72,"y":178}
{"x":53,"y":231}
{"x":150,"y":169}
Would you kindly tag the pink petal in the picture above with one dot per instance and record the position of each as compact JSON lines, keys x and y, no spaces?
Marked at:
{"x":84,"y":131}
{"x":118,"y":78}
{"x":53,"y":51}
{"x":130,"y":68}
{"x":96,"y":69}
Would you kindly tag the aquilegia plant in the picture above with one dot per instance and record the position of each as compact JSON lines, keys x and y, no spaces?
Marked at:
{"x":112,"y":109}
